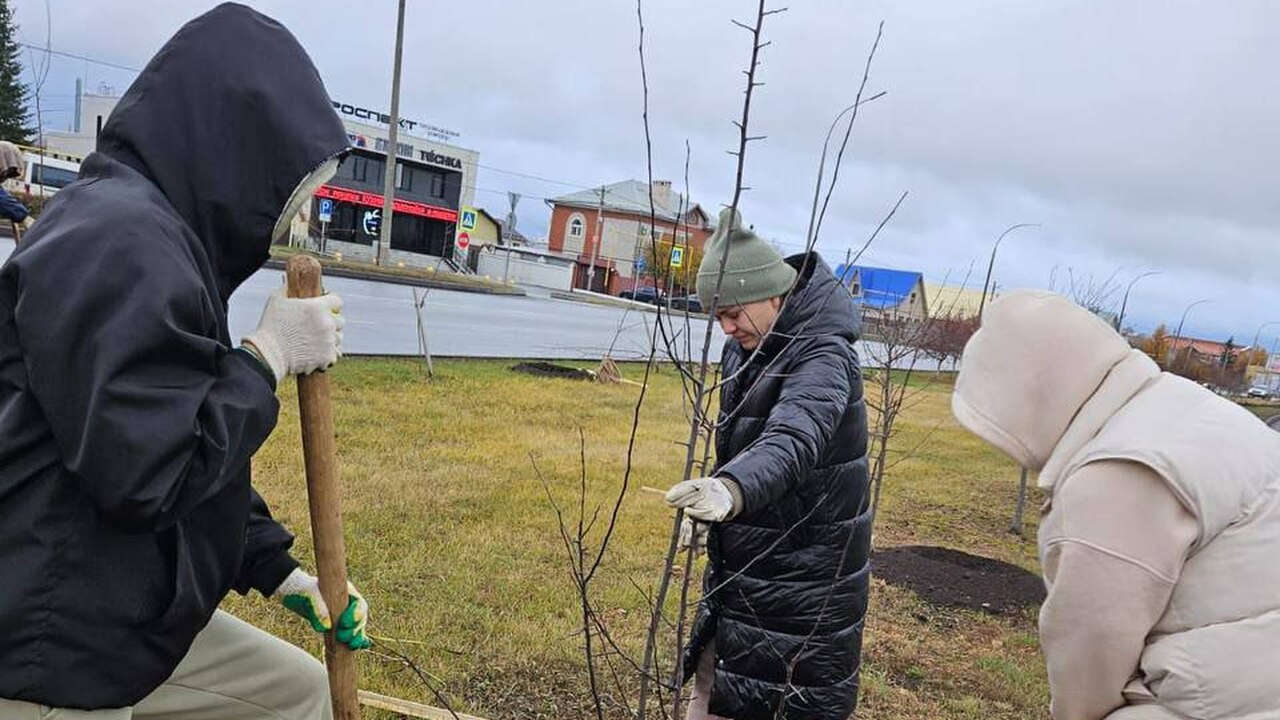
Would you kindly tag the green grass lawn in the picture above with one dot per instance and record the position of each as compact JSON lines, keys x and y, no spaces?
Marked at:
{"x":452,"y":538}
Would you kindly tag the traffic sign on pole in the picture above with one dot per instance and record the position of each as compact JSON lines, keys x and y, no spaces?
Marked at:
{"x":464,"y":241}
{"x":677,"y":256}
{"x":326,"y":210}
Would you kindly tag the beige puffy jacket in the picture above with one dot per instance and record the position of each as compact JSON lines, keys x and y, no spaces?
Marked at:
{"x":1056,"y":389}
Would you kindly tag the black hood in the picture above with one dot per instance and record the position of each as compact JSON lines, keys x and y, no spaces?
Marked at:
{"x":227,"y":119}
{"x":818,"y":305}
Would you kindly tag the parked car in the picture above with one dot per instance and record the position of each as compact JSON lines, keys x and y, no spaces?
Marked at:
{"x":644,"y":295}
{"x":1258,"y":392}
{"x":688,"y":302}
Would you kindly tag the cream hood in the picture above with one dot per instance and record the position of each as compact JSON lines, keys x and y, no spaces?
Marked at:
{"x":1027,"y":372}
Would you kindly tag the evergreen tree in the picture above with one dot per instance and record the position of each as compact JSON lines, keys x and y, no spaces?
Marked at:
{"x":1228,"y":352}
{"x":13,"y":94}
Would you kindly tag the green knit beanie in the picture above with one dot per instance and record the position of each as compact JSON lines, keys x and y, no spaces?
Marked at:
{"x":753,"y":270}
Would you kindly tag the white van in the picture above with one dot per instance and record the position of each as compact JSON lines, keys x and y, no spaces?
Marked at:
{"x":46,"y":173}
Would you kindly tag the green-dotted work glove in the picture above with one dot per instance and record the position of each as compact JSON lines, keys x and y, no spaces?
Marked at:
{"x":300,"y":592}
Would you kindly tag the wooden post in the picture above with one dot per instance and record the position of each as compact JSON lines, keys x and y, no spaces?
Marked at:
{"x":325,"y":498}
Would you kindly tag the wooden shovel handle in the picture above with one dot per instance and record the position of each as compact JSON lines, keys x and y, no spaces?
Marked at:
{"x":324,"y":495}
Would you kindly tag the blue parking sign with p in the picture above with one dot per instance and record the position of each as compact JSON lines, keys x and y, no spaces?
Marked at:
{"x":326,"y":210}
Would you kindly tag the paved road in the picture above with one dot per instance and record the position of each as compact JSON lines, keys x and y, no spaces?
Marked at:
{"x":381,"y":321}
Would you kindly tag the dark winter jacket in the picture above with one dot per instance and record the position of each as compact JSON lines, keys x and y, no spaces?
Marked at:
{"x":785,"y":590}
{"x":11,"y":208}
{"x":126,"y":421}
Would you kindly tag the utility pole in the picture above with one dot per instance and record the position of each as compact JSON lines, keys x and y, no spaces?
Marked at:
{"x":595,"y":251}
{"x":508,"y":233}
{"x":393,"y":145}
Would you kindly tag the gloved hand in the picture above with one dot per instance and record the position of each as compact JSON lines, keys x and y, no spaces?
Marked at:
{"x":27,"y":222}
{"x":298,"y":335}
{"x":300,"y":592}
{"x":693,"y":533}
{"x":706,"y":499}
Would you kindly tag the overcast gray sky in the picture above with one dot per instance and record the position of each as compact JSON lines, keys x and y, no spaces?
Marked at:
{"x":1140,"y":135}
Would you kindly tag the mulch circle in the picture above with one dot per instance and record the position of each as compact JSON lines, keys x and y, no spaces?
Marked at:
{"x":951,"y":578}
{"x":546,"y":369}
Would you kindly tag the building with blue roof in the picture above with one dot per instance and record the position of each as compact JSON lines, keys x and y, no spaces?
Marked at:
{"x":886,"y":293}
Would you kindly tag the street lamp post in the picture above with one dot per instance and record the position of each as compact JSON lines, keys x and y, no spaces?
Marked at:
{"x":1124,"y":304}
{"x":991,"y":265}
{"x":1253,"y":346}
{"x":1178,"y":335}
{"x":822,"y":163}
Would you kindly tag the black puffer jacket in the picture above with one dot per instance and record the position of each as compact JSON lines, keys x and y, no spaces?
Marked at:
{"x":126,"y":421}
{"x":785,"y":590}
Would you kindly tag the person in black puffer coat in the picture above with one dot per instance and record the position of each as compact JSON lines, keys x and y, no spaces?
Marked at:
{"x":785,"y":516}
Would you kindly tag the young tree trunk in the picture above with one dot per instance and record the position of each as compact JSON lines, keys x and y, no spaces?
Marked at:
{"x":1016,"y":527}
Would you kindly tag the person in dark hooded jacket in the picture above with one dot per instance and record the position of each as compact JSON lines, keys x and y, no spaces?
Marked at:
{"x":785,"y":515}
{"x":127,"y":421}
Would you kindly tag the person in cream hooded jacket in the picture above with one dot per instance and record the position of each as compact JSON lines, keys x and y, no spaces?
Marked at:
{"x":1161,"y":535}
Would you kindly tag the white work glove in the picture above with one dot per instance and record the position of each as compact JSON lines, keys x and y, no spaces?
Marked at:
{"x":693,"y":533}
{"x":300,"y":593}
{"x":298,"y":335}
{"x":27,"y":222}
{"x":705,"y":499}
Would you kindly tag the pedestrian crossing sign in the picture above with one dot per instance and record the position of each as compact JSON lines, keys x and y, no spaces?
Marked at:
{"x":677,"y":257}
{"x":468,"y":219}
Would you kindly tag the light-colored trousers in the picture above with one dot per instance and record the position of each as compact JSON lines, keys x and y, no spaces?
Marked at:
{"x":1144,"y":712}
{"x":233,"y":671}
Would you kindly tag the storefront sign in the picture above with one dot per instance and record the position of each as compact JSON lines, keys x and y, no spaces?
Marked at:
{"x":436,"y":158}
{"x":367,"y":199}
{"x":360,"y":113}
{"x":372,"y":222}
{"x":430,"y":156}
{"x":367,"y":114}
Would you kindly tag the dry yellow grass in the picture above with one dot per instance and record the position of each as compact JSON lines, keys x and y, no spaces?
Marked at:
{"x":451,"y":537}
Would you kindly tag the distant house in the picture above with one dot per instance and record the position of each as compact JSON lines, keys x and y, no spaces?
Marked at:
{"x":955,"y":302}
{"x":487,"y":230}
{"x":885,"y":294}
{"x":611,"y":230}
{"x":1204,"y":351}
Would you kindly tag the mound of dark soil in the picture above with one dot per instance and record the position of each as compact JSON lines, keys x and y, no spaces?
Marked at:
{"x":951,"y":578}
{"x":551,"y":370}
